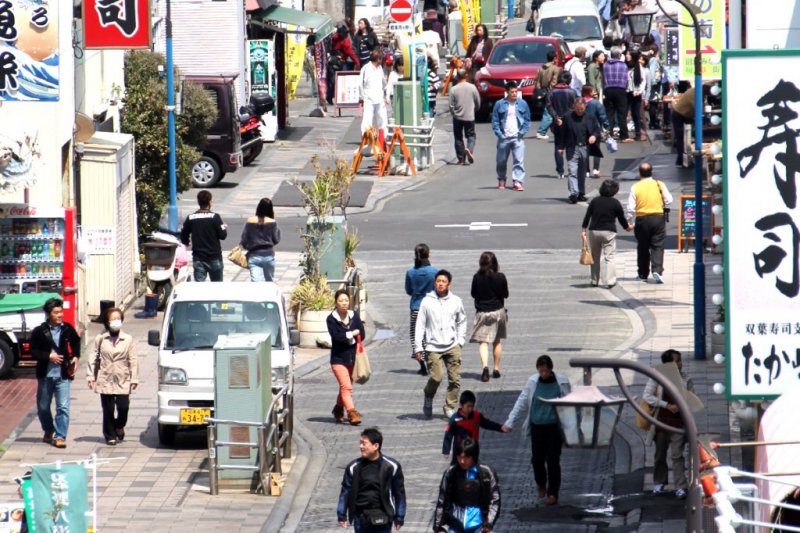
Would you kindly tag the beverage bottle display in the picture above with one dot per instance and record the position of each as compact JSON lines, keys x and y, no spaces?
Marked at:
{"x":57,"y":248}
{"x":45,"y":229}
{"x":46,"y":250}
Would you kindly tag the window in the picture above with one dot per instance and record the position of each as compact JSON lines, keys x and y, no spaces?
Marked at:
{"x":572,"y":28}
{"x":197,"y":325}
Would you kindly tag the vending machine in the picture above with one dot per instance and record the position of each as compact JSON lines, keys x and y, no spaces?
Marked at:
{"x":37,"y":252}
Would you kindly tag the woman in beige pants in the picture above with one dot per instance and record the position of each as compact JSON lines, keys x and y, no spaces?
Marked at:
{"x":601,"y":219}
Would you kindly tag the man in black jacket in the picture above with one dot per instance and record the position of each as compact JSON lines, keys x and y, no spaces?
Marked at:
{"x":559,"y":105}
{"x":373,"y":494}
{"x":206,"y":229}
{"x":56,"y":346}
{"x":579,"y":141}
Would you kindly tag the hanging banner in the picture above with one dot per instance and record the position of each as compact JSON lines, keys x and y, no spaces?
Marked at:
{"x":60,"y":497}
{"x":29,"y":53}
{"x":476,"y":6}
{"x":295,"y":57}
{"x":27,"y":497}
{"x":110,"y":24}
{"x":320,"y":64}
{"x":468,"y":17}
{"x":711,"y":18}
{"x":762,"y":222}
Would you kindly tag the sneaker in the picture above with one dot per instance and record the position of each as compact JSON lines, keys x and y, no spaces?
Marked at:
{"x":595,"y":174}
{"x":542,"y":136}
{"x":643,"y":279}
{"x":518,"y":186}
{"x":680,"y":494}
{"x":470,"y":156}
{"x":658,"y":278}
{"x":448,"y":412}
{"x":561,"y":176}
{"x":427,"y":407}
{"x":582,"y":198}
{"x":658,"y":488}
{"x":573,"y":199}
{"x":501,"y":184}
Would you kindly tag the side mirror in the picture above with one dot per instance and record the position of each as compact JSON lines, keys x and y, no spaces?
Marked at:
{"x":154,"y":337}
{"x":294,"y":337}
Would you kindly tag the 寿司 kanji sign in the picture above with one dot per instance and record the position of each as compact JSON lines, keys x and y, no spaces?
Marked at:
{"x":116,"y":24}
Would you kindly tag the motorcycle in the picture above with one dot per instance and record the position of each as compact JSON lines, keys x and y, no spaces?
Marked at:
{"x":166,"y":262}
{"x":250,"y":122}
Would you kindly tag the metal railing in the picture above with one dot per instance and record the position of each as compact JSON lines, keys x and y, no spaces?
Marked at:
{"x":419,"y":140}
{"x":273,"y":443}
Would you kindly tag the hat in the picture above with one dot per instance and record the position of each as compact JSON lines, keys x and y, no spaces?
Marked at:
{"x":511,"y":84}
{"x":430,"y":14}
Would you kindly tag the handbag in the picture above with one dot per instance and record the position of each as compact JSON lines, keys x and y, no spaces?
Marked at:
{"x":586,"y":253}
{"x":361,"y":369}
{"x":375,"y":517}
{"x":97,"y":361}
{"x":530,"y":26}
{"x":238,"y":256}
{"x":641,"y":422}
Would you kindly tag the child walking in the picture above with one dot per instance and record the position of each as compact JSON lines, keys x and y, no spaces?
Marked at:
{"x":466,"y":423}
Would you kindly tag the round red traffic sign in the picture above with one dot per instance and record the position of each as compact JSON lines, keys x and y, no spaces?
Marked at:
{"x":401,"y":10}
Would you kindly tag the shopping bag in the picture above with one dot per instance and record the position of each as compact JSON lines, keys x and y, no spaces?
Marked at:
{"x":238,"y":256}
{"x":641,"y":422}
{"x":611,"y":144}
{"x":361,"y":369}
{"x":586,"y":253}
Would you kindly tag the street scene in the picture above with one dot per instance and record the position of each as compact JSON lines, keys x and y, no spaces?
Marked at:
{"x":416,"y":266}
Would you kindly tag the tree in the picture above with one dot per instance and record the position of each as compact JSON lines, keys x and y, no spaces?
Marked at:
{"x":144,"y":117}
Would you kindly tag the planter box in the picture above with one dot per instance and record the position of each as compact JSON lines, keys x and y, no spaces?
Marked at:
{"x":313,"y":329}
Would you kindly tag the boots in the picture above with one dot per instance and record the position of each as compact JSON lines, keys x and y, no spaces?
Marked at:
{"x":354,"y":417}
{"x":338,"y":413}
{"x":150,"y":307}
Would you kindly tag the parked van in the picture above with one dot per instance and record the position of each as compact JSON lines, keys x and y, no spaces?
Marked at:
{"x":196,"y":315}
{"x":222,"y":152}
{"x":577,"y":21}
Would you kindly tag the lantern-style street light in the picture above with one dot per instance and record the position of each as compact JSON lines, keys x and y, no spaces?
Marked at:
{"x":587,"y":417}
{"x":639,"y":21}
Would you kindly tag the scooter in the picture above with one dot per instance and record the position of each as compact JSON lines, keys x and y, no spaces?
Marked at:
{"x":250,"y":122}
{"x":166,"y":263}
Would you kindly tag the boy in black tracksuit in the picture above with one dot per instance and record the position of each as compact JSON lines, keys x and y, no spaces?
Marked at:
{"x":206,"y":229}
{"x":466,"y":423}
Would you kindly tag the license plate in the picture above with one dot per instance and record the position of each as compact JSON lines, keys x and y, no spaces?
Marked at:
{"x":194,"y":417}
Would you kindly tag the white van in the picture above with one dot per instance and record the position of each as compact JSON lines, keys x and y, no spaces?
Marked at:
{"x":577,"y":21}
{"x":196,"y":315}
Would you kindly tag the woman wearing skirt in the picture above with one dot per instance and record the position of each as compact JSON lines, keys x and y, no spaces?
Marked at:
{"x":489,"y":289}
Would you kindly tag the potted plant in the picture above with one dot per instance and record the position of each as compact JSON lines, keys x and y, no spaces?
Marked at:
{"x":311,"y":302}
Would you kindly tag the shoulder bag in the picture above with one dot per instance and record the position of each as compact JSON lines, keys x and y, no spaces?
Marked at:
{"x":361,"y":369}
{"x":586,"y":253}
{"x":238,"y":256}
{"x":97,"y":360}
{"x":641,"y":422}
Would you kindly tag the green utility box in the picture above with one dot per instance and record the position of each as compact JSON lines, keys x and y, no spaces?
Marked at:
{"x":402,"y":107}
{"x":242,"y":392}
{"x":331,"y":263}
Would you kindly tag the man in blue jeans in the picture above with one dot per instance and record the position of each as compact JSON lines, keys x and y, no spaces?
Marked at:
{"x":206,"y":229}
{"x":56,"y":346}
{"x":511,"y":120}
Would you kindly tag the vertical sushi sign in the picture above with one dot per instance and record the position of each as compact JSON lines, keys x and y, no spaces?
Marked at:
{"x":29,"y":54}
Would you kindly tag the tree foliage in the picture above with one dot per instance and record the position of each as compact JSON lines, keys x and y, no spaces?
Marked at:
{"x":144,"y":117}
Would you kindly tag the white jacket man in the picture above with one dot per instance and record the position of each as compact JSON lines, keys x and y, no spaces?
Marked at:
{"x":443,"y":323}
{"x":373,"y":94}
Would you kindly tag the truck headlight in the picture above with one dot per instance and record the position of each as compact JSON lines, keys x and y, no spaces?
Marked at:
{"x":171,"y":376}
{"x":279,"y":376}
{"x":483,"y":86}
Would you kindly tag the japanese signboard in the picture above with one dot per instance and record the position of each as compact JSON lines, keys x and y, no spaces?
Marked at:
{"x":11,"y":517}
{"x":116,"y":24}
{"x":762,"y":221}
{"x":347,"y":90}
{"x":60,"y":497}
{"x":295,"y":57}
{"x":100,"y":241}
{"x":711,"y":18}
{"x":29,"y":56}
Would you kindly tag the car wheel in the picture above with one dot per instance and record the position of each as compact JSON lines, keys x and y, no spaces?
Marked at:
{"x":206,"y":173}
{"x":166,"y":434}
{"x":7,"y":358}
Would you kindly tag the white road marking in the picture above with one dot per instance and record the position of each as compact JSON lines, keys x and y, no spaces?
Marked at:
{"x":481,"y":226}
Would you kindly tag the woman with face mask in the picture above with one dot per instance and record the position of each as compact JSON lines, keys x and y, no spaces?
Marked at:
{"x":113,"y":372}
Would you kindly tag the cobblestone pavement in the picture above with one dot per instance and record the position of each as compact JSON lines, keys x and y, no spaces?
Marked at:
{"x":552,"y":310}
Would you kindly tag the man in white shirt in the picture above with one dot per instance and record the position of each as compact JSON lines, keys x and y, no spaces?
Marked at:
{"x":575,"y":67}
{"x":373,"y":94}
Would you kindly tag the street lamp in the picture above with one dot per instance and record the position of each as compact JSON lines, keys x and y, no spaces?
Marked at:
{"x":587,"y":417}
{"x":639,"y":21}
{"x":699,"y":267}
{"x":694,"y":501}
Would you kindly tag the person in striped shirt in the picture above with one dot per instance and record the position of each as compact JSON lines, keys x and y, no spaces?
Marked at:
{"x":434,"y":85}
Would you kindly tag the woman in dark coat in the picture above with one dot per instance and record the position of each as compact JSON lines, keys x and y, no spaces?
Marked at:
{"x":480,"y":46}
{"x":489,"y":289}
{"x":366,"y":41}
{"x":345,"y":328}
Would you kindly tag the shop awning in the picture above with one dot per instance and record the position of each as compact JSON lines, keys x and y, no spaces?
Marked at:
{"x":312,"y":23}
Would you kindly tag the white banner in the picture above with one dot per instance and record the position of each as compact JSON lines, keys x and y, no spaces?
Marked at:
{"x":762,"y":221}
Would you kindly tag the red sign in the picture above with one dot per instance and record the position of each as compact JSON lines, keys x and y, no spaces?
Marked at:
{"x":401,"y":10}
{"x":116,"y":24}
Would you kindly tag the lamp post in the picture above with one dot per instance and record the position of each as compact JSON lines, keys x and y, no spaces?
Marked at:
{"x":699,"y":267}
{"x":639,"y":21}
{"x":694,"y":501}
{"x":172,"y":212}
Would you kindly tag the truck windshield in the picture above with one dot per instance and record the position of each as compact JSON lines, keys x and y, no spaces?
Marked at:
{"x":579,"y":28}
{"x":197,"y":325}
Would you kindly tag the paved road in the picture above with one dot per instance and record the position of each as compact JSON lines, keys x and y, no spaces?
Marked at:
{"x":552,"y":310}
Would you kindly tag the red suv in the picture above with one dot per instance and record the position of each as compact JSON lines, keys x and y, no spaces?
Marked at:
{"x":517,"y":59}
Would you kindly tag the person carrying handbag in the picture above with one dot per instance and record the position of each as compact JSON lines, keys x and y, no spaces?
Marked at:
{"x":113,"y":373}
{"x":345,"y":327}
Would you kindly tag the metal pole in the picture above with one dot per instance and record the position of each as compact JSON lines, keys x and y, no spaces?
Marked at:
{"x":263,"y":468}
{"x":173,"y":184}
{"x":699,"y":267}
{"x":734,"y":24}
{"x":212,"y":459}
{"x":694,"y":501}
